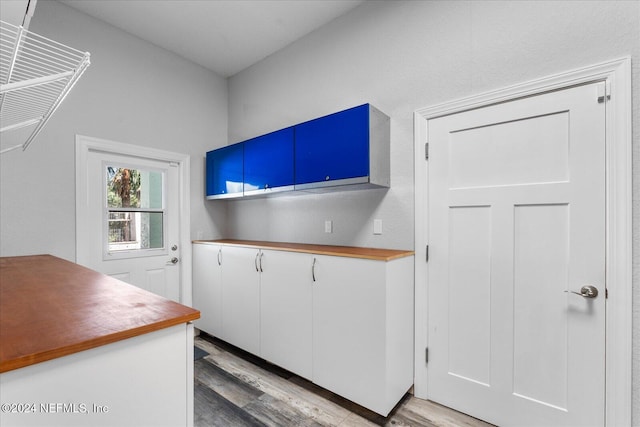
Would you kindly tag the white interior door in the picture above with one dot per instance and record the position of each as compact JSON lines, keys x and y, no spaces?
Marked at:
{"x":516,"y":218}
{"x":132,"y":225}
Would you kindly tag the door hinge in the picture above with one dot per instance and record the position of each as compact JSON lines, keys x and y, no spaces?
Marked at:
{"x":426,"y":151}
{"x":606,"y":293}
{"x":426,"y":256}
{"x":426,"y":355}
{"x":604,"y":91}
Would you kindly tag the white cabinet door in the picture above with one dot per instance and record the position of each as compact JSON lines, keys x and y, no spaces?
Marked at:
{"x":349,"y":330}
{"x":241,"y":297}
{"x":207,"y":287}
{"x":286,"y":310}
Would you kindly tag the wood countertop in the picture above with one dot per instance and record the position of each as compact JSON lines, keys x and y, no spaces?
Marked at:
{"x":51,"y":308}
{"x":345,"y":251}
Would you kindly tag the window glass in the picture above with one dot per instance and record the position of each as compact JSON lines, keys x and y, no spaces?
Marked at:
{"x":135,"y":230}
{"x":134,"y":204}
{"x":133,"y":188}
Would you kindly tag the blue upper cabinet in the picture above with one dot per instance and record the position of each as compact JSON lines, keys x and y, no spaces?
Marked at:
{"x":225,"y":175}
{"x":349,"y":149}
{"x":345,"y":148}
{"x":268,"y":163}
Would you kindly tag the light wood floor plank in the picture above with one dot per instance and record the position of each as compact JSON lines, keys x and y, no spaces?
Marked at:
{"x":276,"y":413}
{"x":213,"y":410}
{"x":439,"y":415}
{"x":313,"y":406}
{"x":234,"y":388}
{"x":353,"y":408}
{"x":226,"y":385}
{"x":355,"y":420}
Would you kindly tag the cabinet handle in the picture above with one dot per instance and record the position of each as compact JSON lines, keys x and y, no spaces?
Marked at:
{"x":261,"y":254}
{"x":219,"y":256}
{"x":255,"y":261}
{"x":313,"y":270}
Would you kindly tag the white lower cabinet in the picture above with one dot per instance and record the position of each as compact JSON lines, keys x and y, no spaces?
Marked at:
{"x":241,"y":297}
{"x":207,"y":288}
{"x":344,"y":323}
{"x":363,"y":329}
{"x":286,"y":311}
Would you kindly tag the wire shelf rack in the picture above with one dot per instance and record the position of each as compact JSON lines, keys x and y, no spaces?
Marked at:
{"x":36,"y":74}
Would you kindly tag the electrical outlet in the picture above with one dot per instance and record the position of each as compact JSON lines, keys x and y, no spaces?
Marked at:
{"x":377,"y":226}
{"x":328,"y":226}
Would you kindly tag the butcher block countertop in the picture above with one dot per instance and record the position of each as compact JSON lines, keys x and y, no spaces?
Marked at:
{"x":345,"y":251}
{"x":51,"y":308}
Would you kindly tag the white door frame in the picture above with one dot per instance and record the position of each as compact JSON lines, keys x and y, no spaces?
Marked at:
{"x":617,"y":75}
{"x":87,"y":144}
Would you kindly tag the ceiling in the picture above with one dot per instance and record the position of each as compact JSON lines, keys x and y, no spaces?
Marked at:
{"x":225,"y":36}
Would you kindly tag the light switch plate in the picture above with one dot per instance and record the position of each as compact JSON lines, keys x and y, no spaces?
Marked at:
{"x":377,"y":226}
{"x":328,"y":226}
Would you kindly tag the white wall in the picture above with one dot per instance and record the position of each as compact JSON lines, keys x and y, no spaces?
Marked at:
{"x":14,"y":11}
{"x":133,"y":92}
{"x":401,"y":56}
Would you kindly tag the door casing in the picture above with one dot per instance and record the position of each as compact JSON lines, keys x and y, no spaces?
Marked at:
{"x":86,"y":144}
{"x":618,"y":187}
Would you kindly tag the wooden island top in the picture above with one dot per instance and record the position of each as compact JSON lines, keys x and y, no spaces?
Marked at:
{"x":51,"y":308}
{"x":345,"y":251}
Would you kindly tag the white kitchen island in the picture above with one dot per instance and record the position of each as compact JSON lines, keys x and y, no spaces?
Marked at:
{"x":80,"y":348}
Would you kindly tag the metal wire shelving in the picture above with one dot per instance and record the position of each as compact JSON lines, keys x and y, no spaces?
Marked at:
{"x":36,"y":74}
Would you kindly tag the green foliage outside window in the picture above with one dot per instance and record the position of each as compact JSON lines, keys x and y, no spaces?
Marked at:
{"x":123,"y":188}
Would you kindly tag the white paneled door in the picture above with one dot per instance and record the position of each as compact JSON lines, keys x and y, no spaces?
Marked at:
{"x":129,"y":224}
{"x":517,"y":250}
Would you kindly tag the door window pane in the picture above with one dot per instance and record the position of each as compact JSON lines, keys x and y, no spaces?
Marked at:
{"x":133,"y":188}
{"x":135,"y":230}
{"x":135,"y":209}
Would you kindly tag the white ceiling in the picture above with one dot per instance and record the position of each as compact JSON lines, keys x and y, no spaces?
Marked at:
{"x":225,"y":36}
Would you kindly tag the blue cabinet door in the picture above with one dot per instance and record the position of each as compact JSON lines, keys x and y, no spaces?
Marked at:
{"x":268,"y":162}
{"x":334,"y":147}
{"x":225,"y":172}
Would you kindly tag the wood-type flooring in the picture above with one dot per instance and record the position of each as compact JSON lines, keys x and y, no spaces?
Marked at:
{"x":234,"y":388}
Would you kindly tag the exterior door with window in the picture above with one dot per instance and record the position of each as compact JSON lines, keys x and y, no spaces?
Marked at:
{"x":132,"y":226}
